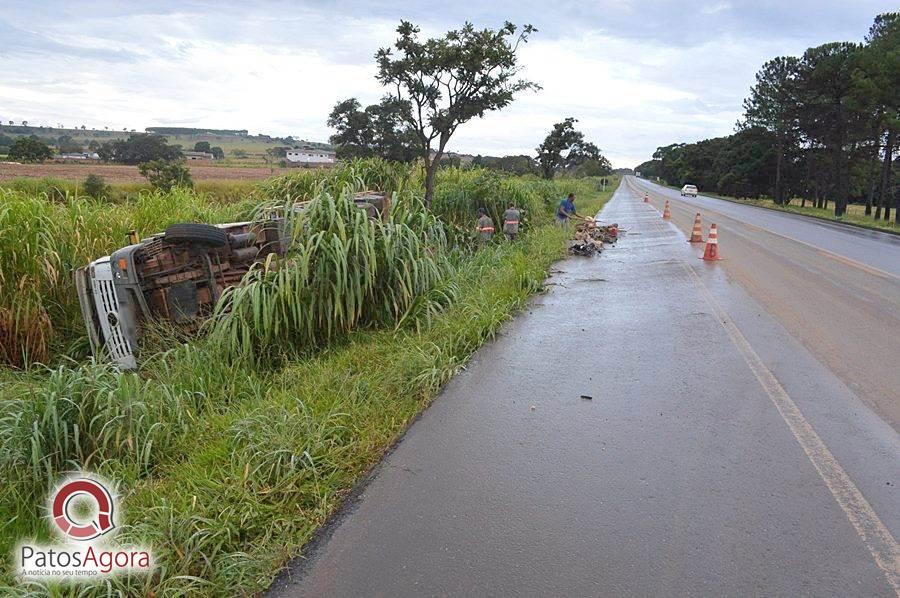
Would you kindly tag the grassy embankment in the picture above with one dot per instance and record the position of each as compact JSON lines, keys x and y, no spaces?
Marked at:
{"x":856,"y":213}
{"x":227,"y":460}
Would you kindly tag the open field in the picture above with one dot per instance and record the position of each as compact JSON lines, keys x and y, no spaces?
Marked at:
{"x":118,"y":173}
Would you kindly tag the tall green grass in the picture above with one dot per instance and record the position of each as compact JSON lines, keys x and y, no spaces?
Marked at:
{"x":342,"y":270}
{"x":43,"y":240}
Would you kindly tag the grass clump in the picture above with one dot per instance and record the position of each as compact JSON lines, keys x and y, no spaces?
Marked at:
{"x":343,"y":270}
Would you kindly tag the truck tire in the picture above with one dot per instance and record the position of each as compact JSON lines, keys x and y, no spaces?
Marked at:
{"x":201,"y":234}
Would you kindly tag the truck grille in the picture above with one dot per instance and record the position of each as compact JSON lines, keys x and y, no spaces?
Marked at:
{"x":116,"y":344}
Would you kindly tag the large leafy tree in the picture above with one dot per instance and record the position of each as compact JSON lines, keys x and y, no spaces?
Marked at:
{"x":29,"y":149}
{"x":772,"y":105}
{"x":354,"y":135}
{"x":381,"y":129}
{"x":449,"y":80}
{"x":565,"y":149}
{"x":140,"y":147}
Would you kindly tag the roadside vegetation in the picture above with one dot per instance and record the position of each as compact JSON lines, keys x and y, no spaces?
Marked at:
{"x":821,"y":130}
{"x":230,"y":450}
{"x":232,"y":447}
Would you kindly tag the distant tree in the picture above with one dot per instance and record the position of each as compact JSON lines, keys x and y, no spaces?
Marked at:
{"x":354,"y":135}
{"x":826,"y":82}
{"x":24,"y":123}
{"x":67,"y":145}
{"x":29,"y":149}
{"x":217,"y":152}
{"x":879,"y":83}
{"x":201,"y":146}
{"x":95,"y":186}
{"x":565,"y":148}
{"x":165,"y":175}
{"x":11,"y":123}
{"x":239,"y":153}
{"x":772,"y":105}
{"x":83,"y":127}
{"x":519,"y":165}
{"x":139,"y":147}
{"x":392,"y":136}
{"x":381,"y":129}
{"x":93,"y":145}
{"x":450,"y":80}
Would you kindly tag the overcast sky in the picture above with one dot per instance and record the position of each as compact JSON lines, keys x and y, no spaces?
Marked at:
{"x":636,"y":73}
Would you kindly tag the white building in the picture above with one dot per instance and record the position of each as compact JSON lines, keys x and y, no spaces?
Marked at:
{"x":309,"y":156}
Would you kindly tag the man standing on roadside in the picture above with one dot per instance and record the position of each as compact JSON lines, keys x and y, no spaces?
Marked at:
{"x":484,"y":227}
{"x":511,"y":222}
{"x":565,"y":210}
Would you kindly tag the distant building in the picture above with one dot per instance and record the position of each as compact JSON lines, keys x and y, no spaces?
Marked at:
{"x":309,"y":156}
{"x":79,"y":156}
{"x":198,"y":156}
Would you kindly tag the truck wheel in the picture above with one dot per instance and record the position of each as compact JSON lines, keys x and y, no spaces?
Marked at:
{"x":201,"y":234}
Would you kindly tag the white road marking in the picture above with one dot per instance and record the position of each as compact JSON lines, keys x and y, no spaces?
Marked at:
{"x":875,"y":535}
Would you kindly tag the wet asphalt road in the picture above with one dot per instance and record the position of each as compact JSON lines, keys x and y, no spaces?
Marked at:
{"x":835,"y":288}
{"x":718,"y":455}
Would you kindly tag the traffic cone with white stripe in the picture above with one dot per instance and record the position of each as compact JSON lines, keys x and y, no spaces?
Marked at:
{"x":646,"y":198}
{"x":697,"y":233}
{"x":666,"y":214}
{"x":712,"y":245}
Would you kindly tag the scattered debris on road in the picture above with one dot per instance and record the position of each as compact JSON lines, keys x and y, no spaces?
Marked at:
{"x":590,"y":236}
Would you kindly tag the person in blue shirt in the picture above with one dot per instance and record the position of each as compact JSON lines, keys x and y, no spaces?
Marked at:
{"x":565,"y":210}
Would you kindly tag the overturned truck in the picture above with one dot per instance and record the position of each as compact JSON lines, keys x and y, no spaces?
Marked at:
{"x":178,"y":277}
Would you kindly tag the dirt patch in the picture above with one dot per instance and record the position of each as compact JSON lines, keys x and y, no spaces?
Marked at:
{"x":117,"y":173}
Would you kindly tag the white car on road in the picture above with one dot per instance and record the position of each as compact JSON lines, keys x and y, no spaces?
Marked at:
{"x":689,"y":190}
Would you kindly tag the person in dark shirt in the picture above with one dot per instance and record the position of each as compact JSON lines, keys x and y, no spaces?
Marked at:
{"x":566,"y":210}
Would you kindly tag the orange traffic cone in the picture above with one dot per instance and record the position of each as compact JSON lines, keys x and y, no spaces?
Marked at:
{"x":646,"y":198}
{"x":666,"y":214}
{"x":712,"y":245}
{"x":697,"y":233}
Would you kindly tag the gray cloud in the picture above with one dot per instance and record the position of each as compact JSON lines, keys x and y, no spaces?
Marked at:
{"x":638,"y":73}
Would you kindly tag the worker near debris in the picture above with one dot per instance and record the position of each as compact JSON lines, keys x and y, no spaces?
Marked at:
{"x":566,"y":210}
{"x":484,"y":227}
{"x":511,"y":222}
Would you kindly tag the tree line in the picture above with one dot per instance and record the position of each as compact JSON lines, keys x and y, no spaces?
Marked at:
{"x":137,"y":148}
{"x":821,"y":127}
